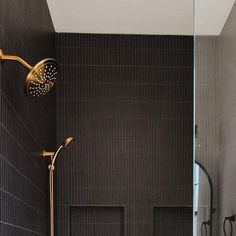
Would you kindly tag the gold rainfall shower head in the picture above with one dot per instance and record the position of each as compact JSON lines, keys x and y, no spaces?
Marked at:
{"x":41,"y":77}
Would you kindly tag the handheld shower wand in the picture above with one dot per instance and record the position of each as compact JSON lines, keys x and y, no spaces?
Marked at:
{"x":51,"y":167}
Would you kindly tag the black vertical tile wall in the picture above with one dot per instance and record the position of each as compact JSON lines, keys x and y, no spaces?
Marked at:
{"x":128,"y":99}
{"x":173,"y":221}
{"x":27,"y":126}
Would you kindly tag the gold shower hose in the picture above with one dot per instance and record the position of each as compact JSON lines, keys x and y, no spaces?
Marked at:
{"x":51,"y":186}
{"x":51,"y":167}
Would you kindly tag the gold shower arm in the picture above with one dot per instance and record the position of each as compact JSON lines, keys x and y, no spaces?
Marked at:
{"x":15,"y":58}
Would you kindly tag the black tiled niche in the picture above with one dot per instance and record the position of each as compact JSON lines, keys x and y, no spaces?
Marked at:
{"x":128,"y":99}
{"x":27,"y":126}
{"x":173,"y":220}
{"x":92,"y":220}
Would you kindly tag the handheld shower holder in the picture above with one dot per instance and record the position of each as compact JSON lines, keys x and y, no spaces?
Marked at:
{"x":48,"y":154}
{"x":53,"y":155}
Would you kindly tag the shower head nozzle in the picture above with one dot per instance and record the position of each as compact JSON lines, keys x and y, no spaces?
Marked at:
{"x":41,"y":77}
{"x":67,"y":142}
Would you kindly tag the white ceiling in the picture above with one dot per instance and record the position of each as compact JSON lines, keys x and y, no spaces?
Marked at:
{"x":211,"y":15}
{"x":167,"y":17}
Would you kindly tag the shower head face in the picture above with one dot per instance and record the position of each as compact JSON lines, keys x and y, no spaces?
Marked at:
{"x":67,"y":142}
{"x":41,"y":78}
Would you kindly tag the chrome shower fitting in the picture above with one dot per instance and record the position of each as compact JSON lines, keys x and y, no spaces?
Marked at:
{"x":41,"y":77}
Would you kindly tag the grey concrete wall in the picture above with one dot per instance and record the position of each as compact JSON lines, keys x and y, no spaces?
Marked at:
{"x":227,"y":166}
{"x":216,"y":116}
{"x":208,"y":117}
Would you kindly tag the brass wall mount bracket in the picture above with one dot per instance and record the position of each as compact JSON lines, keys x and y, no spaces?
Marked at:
{"x":47,"y":154}
{"x":1,"y":54}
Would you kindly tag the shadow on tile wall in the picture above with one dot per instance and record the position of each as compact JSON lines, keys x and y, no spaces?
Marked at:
{"x":26,"y":125}
{"x":128,"y":99}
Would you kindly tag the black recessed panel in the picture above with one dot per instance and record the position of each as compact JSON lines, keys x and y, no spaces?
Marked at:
{"x":175,"y":221}
{"x":92,"y":221}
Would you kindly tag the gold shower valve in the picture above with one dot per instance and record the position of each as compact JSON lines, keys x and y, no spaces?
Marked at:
{"x":47,"y":154}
